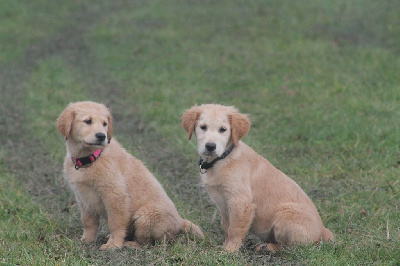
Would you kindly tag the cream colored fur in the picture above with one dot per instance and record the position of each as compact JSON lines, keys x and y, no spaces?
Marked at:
{"x":252,"y":195}
{"x":116,"y":186}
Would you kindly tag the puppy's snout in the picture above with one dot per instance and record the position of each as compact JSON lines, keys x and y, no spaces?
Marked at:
{"x":100,"y":136}
{"x":211,"y":146}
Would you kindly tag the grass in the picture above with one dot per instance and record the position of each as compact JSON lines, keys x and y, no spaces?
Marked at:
{"x":319,"y":80}
{"x":29,"y":235}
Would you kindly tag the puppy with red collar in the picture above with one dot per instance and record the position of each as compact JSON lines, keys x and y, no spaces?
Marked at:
{"x":109,"y":182}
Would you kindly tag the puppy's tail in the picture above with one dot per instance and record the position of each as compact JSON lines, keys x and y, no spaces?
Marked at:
{"x":327,"y":235}
{"x":190,"y":228}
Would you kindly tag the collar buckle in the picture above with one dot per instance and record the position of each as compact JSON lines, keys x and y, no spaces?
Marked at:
{"x":202,"y":171}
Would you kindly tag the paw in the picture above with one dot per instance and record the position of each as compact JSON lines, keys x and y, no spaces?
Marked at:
{"x":268,"y":247}
{"x":232,"y":246}
{"x":88,"y":238}
{"x":132,"y":244}
{"x":109,"y":246}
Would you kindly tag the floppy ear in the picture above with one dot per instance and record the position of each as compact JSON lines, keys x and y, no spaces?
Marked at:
{"x":64,"y":121}
{"x":189,"y":119}
{"x":240,"y":125}
{"x":110,"y":128}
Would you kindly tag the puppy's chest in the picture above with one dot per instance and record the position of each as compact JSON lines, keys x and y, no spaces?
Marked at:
{"x":214,"y":189}
{"x":216,"y":179}
{"x":89,"y":197}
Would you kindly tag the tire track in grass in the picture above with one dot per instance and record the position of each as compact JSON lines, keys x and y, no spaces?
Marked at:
{"x":31,"y":161}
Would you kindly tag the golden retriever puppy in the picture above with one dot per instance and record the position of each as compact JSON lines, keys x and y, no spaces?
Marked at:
{"x":250,"y":193}
{"x":109,"y":182}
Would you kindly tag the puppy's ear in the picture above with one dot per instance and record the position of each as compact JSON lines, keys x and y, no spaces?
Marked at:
{"x":110,"y":128}
{"x":189,"y":119}
{"x":240,"y":125}
{"x":64,"y":121}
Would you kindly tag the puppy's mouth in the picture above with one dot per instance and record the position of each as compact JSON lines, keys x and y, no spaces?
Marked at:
{"x":210,"y":153}
{"x":97,"y":143}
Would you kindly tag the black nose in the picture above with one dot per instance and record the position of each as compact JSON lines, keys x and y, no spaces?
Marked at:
{"x":101,"y":136}
{"x":210,"y":146}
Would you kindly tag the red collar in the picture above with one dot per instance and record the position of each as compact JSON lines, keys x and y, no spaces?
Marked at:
{"x":79,"y":162}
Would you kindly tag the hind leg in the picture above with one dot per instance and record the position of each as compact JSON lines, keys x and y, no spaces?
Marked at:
{"x":143,"y":230}
{"x":293,"y":225}
{"x":167,"y":228}
{"x":154,"y":225}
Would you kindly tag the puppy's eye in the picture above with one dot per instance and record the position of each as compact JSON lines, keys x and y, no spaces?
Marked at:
{"x":222,"y":130}
{"x":88,"y":121}
{"x":104,"y":124}
{"x":203,"y":127}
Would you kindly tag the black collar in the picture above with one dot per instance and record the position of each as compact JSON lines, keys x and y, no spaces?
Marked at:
{"x":205,"y":165}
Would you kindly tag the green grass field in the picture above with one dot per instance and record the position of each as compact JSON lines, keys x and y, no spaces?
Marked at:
{"x":320,"y":81}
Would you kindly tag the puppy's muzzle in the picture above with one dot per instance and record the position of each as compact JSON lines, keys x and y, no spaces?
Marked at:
{"x":210,"y":147}
{"x":100,"y":136}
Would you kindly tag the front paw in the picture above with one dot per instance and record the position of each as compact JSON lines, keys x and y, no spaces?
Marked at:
{"x":232,"y":246}
{"x":110,"y":246}
{"x":88,"y":238}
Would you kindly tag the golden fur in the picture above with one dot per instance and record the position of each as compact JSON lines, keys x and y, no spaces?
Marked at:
{"x":116,"y":186}
{"x":250,"y":193}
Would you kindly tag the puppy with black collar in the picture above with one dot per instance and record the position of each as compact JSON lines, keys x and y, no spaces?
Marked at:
{"x":252,"y":195}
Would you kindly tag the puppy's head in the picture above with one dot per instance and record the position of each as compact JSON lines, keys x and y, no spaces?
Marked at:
{"x":88,"y":123}
{"x":215,"y":127}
